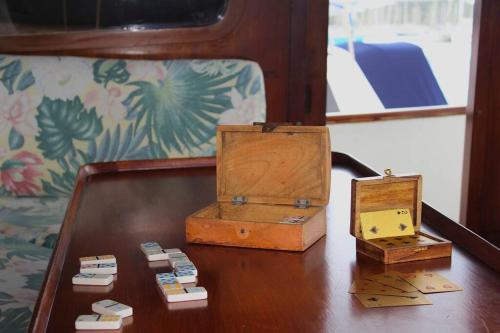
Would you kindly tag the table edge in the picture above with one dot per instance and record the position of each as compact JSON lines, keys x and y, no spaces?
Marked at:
{"x":41,"y":312}
{"x":477,"y":246}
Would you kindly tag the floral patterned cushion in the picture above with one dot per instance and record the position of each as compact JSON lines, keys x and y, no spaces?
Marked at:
{"x":36,"y":220}
{"x":57,"y":113}
{"x":22,"y":270}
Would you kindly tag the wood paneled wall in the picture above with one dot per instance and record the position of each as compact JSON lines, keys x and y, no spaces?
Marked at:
{"x":288,"y":38}
{"x":482,"y":158}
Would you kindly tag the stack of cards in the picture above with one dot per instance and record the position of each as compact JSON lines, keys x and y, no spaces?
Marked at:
{"x":96,"y":271}
{"x":109,"y":316}
{"x":184,"y":271}
{"x":399,"y":289}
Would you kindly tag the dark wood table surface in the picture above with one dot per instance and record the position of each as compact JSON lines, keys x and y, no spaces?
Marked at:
{"x":248,"y":290}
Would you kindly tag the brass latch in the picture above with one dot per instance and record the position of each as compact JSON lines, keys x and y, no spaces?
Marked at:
{"x":302,"y":203}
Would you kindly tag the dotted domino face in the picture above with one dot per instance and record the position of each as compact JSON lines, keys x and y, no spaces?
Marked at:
{"x":186,"y":266}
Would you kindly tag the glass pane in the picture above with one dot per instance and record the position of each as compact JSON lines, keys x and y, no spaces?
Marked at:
{"x":398,"y":54}
{"x":36,"y":16}
{"x":382,"y":51}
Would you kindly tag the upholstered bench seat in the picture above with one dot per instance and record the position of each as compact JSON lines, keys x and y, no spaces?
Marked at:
{"x":22,"y":270}
{"x":57,"y":113}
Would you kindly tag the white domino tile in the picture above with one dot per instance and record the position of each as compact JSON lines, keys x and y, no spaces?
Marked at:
{"x":110,"y":307}
{"x":150,"y":246}
{"x":98,"y":322}
{"x":181,"y":277}
{"x":186,"y":294}
{"x":156,"y":255}
{"x":90,"y":279}
{"x":186,"y":266}
{"x":175,"y":260}
{"x":105,"y":259}
{"x":99,"y":268}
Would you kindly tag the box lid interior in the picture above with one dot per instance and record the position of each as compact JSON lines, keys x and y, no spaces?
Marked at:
{"x":277,"y":167}
{"x":382,"y":193}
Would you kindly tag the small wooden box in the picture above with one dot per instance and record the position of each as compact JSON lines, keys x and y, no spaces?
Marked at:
{"x":265,"y":175}
{"x":394,"y":192}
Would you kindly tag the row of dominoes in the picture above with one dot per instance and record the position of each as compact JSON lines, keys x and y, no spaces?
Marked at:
{"x":184,"y":271}
{"x":96,"y":271}
{"x":108,"y":316}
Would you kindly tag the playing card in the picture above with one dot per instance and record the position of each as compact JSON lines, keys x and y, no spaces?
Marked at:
{"x":428,"y":282}
{"x":378,"y":301}
{"x":392,"y":279}
{"x":374,"y":288}
{"x":402,"y":241}
{"x":386,"y":223}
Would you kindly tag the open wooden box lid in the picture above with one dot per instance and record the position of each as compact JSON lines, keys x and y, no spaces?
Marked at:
{"x":385,"y":192}
{"x":273,"y":165}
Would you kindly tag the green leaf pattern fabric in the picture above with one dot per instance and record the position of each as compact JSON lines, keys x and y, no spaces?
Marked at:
{"x":57,"y":113}
{"x":22,"y":270}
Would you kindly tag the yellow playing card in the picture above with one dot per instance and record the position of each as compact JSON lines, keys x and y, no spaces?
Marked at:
{"x":392,"y":279}
{"x":386,"y":223}
{"x":378,"y":301}
{"x":374,"y":288}
{"x":429,"y":282}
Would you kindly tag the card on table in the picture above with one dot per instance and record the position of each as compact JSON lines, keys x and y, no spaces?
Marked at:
{"x":377,"y":301}
{"x":92,"y":279}
{"x":375,"y":288}
{"x":386,"y":223}
{"x":105,"y":259}
{"x":429,"y":282}
{"x":392,"y":279}
{"x":186,"y":294}
{"x":99,"y":269}
{"x":110,"y":307}
{"x":98,"y":322}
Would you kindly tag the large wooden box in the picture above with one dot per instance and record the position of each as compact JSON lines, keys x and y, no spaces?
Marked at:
{"x":273,"y":184}
{"x":394,"y":192}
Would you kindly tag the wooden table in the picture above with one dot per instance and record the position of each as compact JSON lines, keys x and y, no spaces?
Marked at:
{"x":248,"y":290}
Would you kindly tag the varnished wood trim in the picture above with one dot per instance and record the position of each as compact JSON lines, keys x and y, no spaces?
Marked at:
{"x":397,"y":114}
{"x":123,"y":44}
{"x":144,"y":165}
{"x":483,"y":250}
{"x":41,"y":313}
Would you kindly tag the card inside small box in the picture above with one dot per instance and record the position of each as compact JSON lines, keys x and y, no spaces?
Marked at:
{"x":418,"y":239}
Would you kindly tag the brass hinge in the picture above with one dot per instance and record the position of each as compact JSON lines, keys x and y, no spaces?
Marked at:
{"x":269,"y":127}
{"x":302,"y":203}
{"x":239,"y":200}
